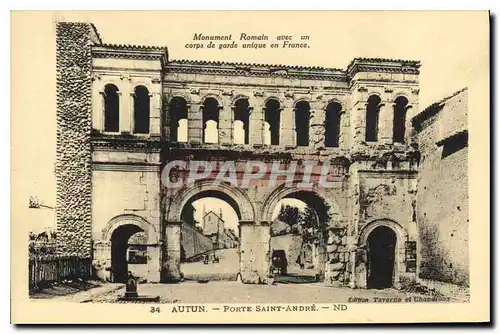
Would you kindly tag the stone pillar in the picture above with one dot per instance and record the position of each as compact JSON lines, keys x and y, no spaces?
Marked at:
{"x":126,"y":104}
{"x":352,"y":269}
{"x":154,"y":265}
{"x":256,"y":121}
{"x":226,"y":116}
{"x":171,"y":259}
{"x":361,"y":268}
{"x":288,"y":137}
{"x":195,"y":126}
{"x":385,"y":123}
{"x":255,"y":252}
{"x":165,"y":113}
{"x":155,"y":114}
{"x":357,"y":106}
{"x":411,"y":110}
{"x":358,"y":124}
{"x":102,"y":260}
{"x":317,"y":128}
{"x":98,"y":112}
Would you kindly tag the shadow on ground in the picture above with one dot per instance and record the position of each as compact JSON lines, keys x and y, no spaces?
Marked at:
{"x":64,"y":288}
{"x":295,"y":279}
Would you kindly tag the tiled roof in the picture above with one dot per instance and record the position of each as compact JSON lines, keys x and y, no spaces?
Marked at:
{"x":239,"y":64}
{"x":96,"y":33}
{"x":385,"y":60}
{"x":134,"y":47}
{"x":432,"y":109}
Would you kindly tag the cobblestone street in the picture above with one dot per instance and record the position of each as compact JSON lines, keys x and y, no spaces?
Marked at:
{"x":235,"y":292}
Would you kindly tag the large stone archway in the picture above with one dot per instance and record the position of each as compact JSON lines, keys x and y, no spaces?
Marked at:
{"x":175,"y":203}
{"x":284,"y":191}
{"x":109,"y":252}
{"x":254,"y":236}
{"x":328,"y":216}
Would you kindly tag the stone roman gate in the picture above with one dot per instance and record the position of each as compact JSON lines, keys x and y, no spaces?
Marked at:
{"x":125,"y":111}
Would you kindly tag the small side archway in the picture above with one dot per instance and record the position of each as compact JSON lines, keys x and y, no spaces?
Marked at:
{"x":118,"y":231}
{"x":384,"y":241}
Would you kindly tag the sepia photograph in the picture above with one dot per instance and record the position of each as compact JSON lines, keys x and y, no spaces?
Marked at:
{"x":240,"y":167}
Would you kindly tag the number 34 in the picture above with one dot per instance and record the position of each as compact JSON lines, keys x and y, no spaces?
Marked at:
{"x":154,"y":309}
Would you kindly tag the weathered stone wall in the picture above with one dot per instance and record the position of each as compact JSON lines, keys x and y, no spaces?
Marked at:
{"x":193,"y":242}
{"x":387,"y":195}
{"x":122,"y":193}
{"x":255,"y":253}
{"x":442,"y":200}
{"x":73,"y":155}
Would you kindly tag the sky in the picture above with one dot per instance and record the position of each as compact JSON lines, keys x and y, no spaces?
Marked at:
{"x":452,"y":47}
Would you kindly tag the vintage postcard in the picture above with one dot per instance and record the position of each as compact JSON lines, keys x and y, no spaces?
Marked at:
{"x":250,"y":167}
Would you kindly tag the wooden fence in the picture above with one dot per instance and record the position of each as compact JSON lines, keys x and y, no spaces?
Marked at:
{"x":45,"y":269}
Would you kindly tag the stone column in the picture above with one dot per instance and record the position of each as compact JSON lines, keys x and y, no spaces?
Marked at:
{"x":126,"y":105}
{"x":155,"y":114}
{"x":352,"y":268}
{"x":358,"y":124}
{"x":102,"y":260}
{"x":254,"y":252}
{"x":357,"y":106}
{"x":317,"y":127}
{"x":98,"y":113}
{"x":195,"y":126}
{"x":288,"y":137}
{"x":226,"y":116}
{"x":154,"y":265}
{"x":165,"y":113}
{"x":385,"y":123}
{"x":171,"y":259}
{"x":256,"y":121}
{"x":411,"y":110}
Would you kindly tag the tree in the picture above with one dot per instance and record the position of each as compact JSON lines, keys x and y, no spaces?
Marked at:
{"x":289,"y":215}
{"x":309,"y":224}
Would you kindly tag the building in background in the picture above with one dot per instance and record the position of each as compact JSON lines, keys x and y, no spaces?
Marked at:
{"x":214,"y":227}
